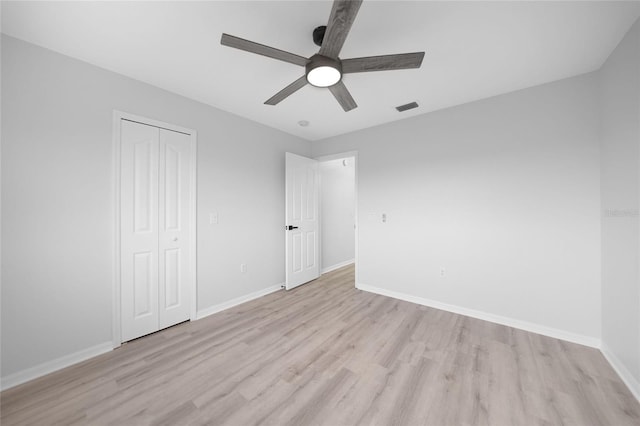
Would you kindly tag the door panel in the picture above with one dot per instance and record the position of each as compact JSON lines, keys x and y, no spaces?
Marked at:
{"x":295,"y":209}
{"x":296,"y":254}
{"x":301,"y":193}
{"x":144,"y":176}
{"x":311,"y":196}
{"x":311,"y":249}
{"x":172,"y":278}
{"x":139,"y":229}
{"x":172,"y":188}
{"x":143,"y":284}
{"x":175,"y":153}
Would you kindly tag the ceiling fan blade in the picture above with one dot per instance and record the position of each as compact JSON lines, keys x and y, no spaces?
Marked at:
{"x":383,"y":63}
{"x":290,"y":89}
{"x":343,"y":96}
{"x":343,"y":13}
{"x":261,"y":49}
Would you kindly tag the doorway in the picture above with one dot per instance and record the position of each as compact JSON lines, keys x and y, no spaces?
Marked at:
{"x":338,"y":210}
{"x":321,"y":216}
{"x":155,"y":240}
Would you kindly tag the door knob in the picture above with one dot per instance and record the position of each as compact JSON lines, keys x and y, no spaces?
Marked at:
{"x":289,"y":228}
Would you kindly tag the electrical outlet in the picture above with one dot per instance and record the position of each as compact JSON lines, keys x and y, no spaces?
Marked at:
{"x":442,"y":271}
{"x":243,"y":268}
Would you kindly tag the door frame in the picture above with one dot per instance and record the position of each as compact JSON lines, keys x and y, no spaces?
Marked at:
{"x":339,"y":156}
{"x":118,"y":116}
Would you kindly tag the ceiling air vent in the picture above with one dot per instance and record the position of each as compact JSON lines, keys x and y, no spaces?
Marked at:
{"x":406,"y":107}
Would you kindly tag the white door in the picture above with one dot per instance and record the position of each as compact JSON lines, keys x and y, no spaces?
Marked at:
{"x":154,"y":224}
{"x":139,"y":229}
{"x":301,"y":221}
{"x":174,"y":244}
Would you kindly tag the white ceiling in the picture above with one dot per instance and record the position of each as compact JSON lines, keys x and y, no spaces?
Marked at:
{"x":473,"y":50}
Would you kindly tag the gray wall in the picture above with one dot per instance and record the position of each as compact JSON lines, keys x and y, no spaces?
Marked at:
{"x":620,"y":152}
{"x":503,"y":194}
{"x":57,"y":205}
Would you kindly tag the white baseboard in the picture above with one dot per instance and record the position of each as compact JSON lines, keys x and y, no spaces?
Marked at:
{"x":337,"y":266}
{"x":632,"y":383}
{"x":32,"y":373}
{"x":45,"y":368}
{"x":511,"y":322}
{"x":237,"y":301}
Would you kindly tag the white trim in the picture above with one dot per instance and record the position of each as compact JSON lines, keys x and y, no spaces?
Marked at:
{"x":338,"y":156}
{"x":193,"y":225}
{"x":337,"y":266}
{"x":115,"y":319}
{"x":498,"y":319}
{"x":356,"y":163}
{"x":118,"y":116}
{"x":151,"y":122}
{"x":238,"y":301}
{"x":45,"y":368}
{"x":632,"y":383}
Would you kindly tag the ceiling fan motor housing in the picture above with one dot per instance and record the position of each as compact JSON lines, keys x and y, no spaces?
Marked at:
{"x":319,"y":61}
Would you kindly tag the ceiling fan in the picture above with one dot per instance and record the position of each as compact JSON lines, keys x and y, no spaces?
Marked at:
{"x":325,"y":69}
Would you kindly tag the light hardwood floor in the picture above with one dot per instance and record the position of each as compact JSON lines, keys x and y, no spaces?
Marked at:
{"x":326,"y":353}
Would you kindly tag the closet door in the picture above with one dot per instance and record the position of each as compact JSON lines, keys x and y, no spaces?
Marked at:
{"x":139,"y":229}
{"x":174,"y":186}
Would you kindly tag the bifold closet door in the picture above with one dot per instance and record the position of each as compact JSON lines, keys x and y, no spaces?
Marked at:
{"x":139,"y":148}
{"x":154,"y":228}
{"x":174,"y":174}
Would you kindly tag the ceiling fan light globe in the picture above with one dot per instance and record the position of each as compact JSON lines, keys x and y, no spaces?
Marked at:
{"x":323,"y":76}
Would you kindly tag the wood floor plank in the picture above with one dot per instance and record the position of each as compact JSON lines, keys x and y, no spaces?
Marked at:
{"x":328,"y":354}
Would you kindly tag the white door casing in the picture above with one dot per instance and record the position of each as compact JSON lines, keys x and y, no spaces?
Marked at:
{"x":301,"y":215}
{"x":155,"y":257}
